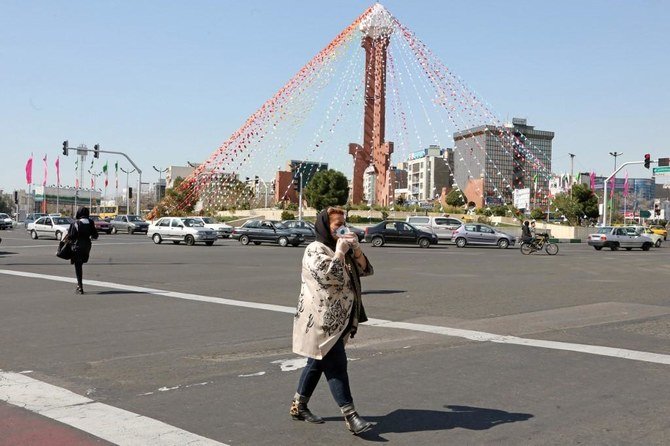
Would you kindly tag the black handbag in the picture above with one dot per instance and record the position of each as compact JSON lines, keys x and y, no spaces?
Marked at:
{"x":64,"y":249}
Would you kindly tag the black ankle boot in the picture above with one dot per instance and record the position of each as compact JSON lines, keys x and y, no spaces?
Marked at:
{"x":79,"y":290}
{"x":299,"y":411}
{"x":356,"y":424}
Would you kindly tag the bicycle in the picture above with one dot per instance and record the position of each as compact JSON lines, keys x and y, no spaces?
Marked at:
{"x":540,"y":241}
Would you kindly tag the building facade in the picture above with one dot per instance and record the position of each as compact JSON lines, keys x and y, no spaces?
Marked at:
{"x":499,"y":159}
{"x":428,"y":171}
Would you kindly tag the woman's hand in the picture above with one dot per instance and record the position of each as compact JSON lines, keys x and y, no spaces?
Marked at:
{"x":342,"y":246}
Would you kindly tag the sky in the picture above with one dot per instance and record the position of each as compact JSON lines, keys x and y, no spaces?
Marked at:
{"x":168,"y":81}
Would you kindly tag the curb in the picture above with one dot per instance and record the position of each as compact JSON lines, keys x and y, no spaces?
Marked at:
{"x":565,"y":240}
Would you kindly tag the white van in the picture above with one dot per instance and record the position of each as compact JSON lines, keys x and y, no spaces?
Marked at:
{"x":442,"y":226}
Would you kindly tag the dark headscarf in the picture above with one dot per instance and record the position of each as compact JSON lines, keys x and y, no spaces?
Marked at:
{"x":323,"y":234}
{"x":82,"y":212}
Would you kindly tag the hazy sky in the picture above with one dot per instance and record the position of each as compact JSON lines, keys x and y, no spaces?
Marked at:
{"x":169,"y":81}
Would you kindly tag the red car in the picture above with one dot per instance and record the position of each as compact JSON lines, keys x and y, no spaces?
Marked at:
{"x":100,"y":224}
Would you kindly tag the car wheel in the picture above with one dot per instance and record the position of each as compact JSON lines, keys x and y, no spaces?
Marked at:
{"x":296,"y":244}
{"x":130,"y":230}
{"x":59,"y":235}
{"x":244,"y":240}
{"x":257,"y":243}
{"x":597,"y":248}
{"x":377,"y":242}
{"x":646,"y":247}
{"x":114,"y":231}
{"x":157,"y":239}
{"x":33,"y":234}
{"x":629,"y":249}
{"x":283,"y":241}
{"x":614,"y":247}
{"x":190,"y":241}
{"x":658,"y":243}
{"x":176,"y":242}
{"x":551,"y":249}
{"x":461,"y":242}
{"x":424,"y":243}
{"x":109,"y":231}
{"x":503,"y":243}
{"x":209,"y":243}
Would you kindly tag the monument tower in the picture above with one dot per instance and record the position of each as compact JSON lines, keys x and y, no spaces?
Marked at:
{"x":377,"y":28}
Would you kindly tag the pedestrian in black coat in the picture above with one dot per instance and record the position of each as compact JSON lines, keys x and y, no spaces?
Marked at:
{"x":80,"y":234}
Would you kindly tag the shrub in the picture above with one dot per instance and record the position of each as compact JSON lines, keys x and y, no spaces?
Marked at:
{"x":286,"y":215}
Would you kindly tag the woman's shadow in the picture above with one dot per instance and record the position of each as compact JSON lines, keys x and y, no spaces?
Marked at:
{"x":419,"y":420}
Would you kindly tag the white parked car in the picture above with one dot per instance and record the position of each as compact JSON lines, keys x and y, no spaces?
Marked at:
{"x":443,"y":227}
{"x":53,"y":227}
{"x":221,"y":228}
{"x":181,"y":229}
{"x":5,"y":221}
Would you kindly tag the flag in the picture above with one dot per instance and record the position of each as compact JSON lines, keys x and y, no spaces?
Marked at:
{"x":58,"y":171}
{"x":116,"y":169}
{"x":579,"y":176}
{"x":76,"y":173}
{"x":592,"y":184}
{"x":44,"y":181}
{"x":92,"y":182}
{"x":106,"y":170}
{"x":29,"y":170}
{"x":612,"y":185}
{"x":625,"y":186}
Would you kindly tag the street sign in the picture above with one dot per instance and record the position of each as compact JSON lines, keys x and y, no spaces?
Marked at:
{"x":645,"y":214}
{"x":662,"y":170}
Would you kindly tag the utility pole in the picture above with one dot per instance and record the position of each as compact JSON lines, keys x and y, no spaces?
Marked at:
{"x":94,"y":176}
{"x":572,"y":166}
{"x":615,"y":155}
{"x":300,"y":199}
{"x":160,"y":178}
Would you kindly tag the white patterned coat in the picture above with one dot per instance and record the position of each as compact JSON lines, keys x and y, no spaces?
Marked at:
{"x":327,"y":298}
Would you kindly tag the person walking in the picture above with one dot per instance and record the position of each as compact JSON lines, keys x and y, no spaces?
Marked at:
{"x":328,"y":313}
{"x":80,"y":233}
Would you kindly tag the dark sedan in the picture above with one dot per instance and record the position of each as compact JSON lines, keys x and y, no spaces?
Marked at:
{"x":399,"y":232}
{"x":100,"y":224}
{"x":267,"y":231}
{"x":303,"y":227}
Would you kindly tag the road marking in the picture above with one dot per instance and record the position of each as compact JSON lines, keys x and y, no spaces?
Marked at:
{"x":107,"y":422}
{"x":472,"y":335}
{"x":55,"y":245}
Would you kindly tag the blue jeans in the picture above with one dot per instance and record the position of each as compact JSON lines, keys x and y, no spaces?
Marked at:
{"x":334,"y":366}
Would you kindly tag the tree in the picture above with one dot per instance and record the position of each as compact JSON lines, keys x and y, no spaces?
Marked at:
{"x":6,"y":204}
{"x":538,"y":214}
{"x":579,"y":203}
{"x":456,"y":198}
{"x":327,"y":188}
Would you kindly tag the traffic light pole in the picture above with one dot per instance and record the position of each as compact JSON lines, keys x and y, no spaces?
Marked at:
{"x":300,"y":199}
{"x":607,"y":181}
{"x":139,"y":171}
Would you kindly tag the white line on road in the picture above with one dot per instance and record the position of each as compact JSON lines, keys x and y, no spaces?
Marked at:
{"x":479,"y":336}
{"x":107,"y":422}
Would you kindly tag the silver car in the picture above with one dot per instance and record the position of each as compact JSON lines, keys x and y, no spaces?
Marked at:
{"x":53,"y":227}
{"x":480,"y":234}
{"x":619,"y":237}
{"x":181,"y":229}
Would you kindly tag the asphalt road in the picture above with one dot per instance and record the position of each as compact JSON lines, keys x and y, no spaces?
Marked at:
{"x":216,"y":369}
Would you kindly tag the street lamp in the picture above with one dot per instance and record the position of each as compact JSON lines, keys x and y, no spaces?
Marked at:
{"x":160,"y":178}
{"x":615,"y":155}
{"x":128,"y":172}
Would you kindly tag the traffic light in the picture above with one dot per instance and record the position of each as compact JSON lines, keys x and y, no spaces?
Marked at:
{"x":130,"y":192}
{"x":65,"y":148}
{"x":647,"y":160}
{"x":296,"y":183}
{"x":16,"y":197}
{"x":657,"y":209}
{"x":96,"y":151}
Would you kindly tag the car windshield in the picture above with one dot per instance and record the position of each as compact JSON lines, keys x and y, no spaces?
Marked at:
{"x":134,"y":218}
{"x":604,"y":230}
{"x":94,"y":218}
{"x":208,"y":220}
{"x":191,"y":223}
{"x":280,"y":226}
{"x":61,"y":221}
